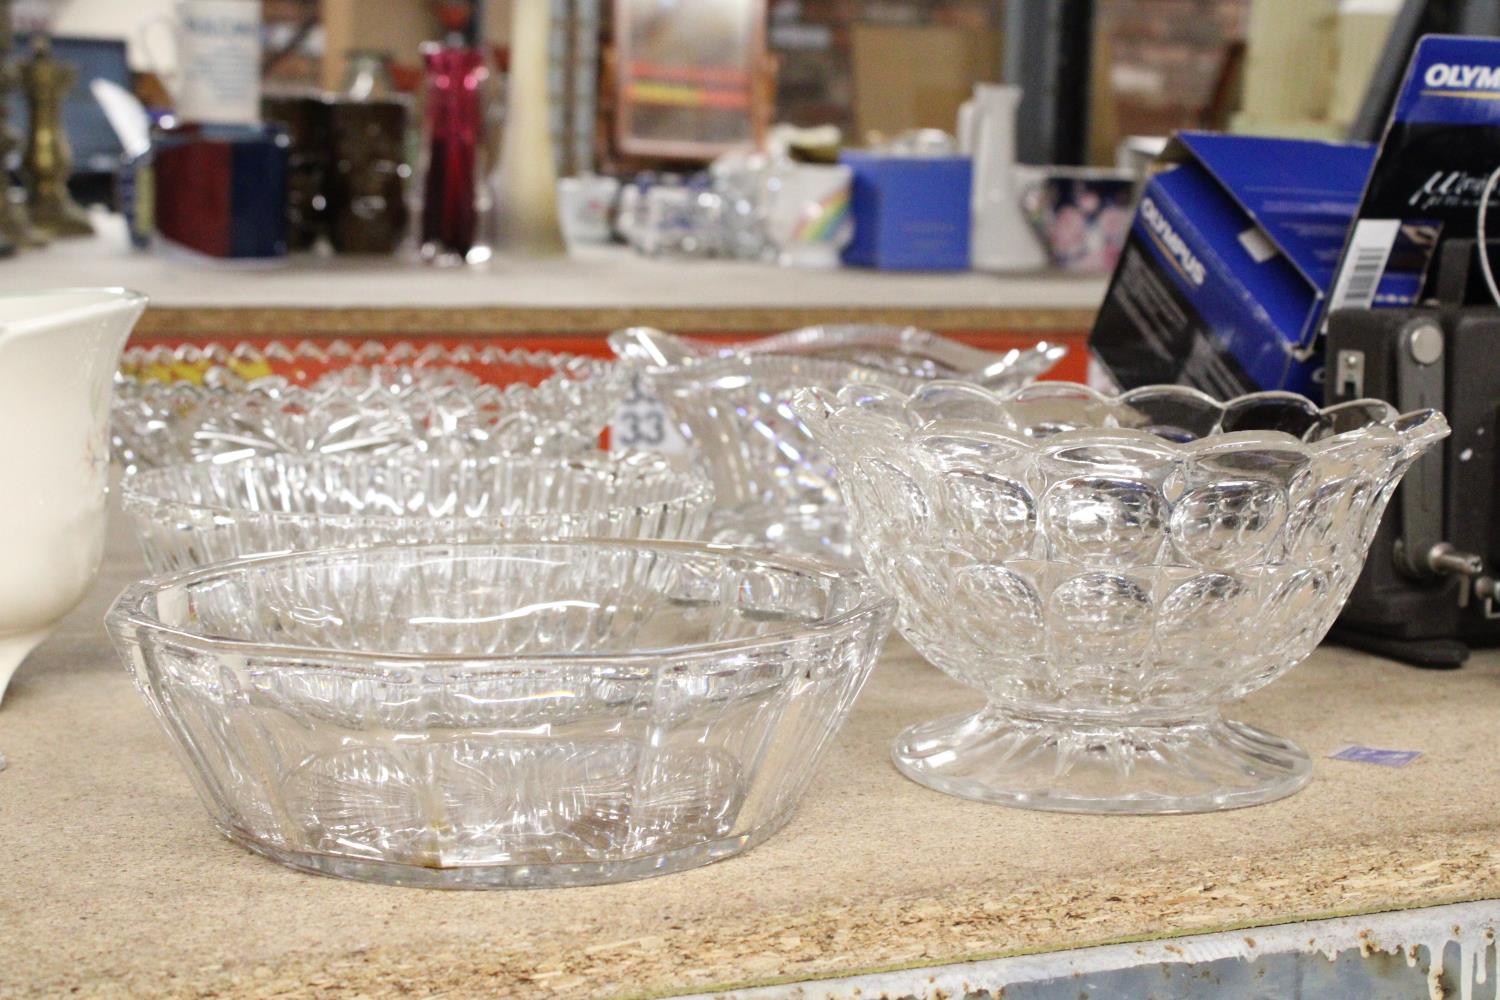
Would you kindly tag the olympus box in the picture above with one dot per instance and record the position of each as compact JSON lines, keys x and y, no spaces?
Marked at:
{"x":1222,"y":281}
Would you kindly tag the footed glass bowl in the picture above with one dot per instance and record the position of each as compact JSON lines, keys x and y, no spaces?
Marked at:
{"x":196,"y":514}
{"x":775,"y":484}
{"x":1108,"y":571}
{"x":202,"y":401}
{"x":520,"y":714}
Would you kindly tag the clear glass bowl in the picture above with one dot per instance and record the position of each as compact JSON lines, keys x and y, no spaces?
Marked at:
{"x":199,"y":401}
{"x":197,"y":514}
{"x":1108,"y":571}
{"x":519,"y":714}
{"x":775,"y":485}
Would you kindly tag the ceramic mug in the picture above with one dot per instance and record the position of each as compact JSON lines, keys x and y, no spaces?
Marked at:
{"x":583,"y":208}
{"x":1081,"y":214}
{"x":808,"y":215}
{"x":216,"y":46}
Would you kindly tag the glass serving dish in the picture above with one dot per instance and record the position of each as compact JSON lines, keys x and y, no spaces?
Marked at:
{"x":775,"y":485}
{"x":198,"y":401}
{"x":200,"y":513}
{"x":1108,"y":571}
{"x":518,"y":714}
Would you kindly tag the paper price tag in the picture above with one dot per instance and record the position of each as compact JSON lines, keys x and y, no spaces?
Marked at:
{"x":642,"y":423}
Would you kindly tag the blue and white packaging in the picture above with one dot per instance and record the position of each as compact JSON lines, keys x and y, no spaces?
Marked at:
{"x":1440,"y":146}
{"x":911,"y":213}
{"x":1222,"y":281}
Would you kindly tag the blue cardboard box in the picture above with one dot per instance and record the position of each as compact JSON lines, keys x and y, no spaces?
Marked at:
{"x":1439,"y":147}
{"x":1226,"y":269}
{"x":911,"y":213}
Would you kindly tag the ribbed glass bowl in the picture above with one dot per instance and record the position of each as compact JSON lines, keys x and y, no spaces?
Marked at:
{"x":520,"y":714}
{"x":1108,"y":571}
{"x":200,"y":401}
{"x":775,"y":484}
{"x":197,"y":514}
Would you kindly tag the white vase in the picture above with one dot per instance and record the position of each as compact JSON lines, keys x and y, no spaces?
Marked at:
{"x":1000,"y":238}
{"x":525,"y":180}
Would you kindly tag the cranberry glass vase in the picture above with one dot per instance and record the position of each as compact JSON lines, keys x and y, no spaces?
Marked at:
{"x":451,"y":189}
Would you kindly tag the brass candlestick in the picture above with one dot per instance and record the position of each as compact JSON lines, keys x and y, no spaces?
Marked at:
{"x":48,"y":160}
{"x":15,"y":228}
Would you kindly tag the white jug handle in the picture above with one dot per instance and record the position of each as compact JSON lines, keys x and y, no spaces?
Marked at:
{"x":172,"y":79}
{"x":1030,"y":182}
{"x":966,"y":117}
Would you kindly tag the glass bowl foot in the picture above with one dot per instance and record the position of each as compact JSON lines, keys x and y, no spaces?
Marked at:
{"x":1202,"y":764}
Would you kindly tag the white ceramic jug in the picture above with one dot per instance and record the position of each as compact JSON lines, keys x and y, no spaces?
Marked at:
{"x":1000,"y":239}
{"x":58,"y":355}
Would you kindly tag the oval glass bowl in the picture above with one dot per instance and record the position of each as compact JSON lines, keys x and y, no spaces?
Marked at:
{"x":1108,"y":571}
{"x":522,"y":714}
{"x":775,"y":484}
{"x":200,"y":401}
{"x":197,"y":514}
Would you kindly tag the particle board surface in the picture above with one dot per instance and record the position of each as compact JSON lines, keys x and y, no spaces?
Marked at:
{"x":113,"y":882}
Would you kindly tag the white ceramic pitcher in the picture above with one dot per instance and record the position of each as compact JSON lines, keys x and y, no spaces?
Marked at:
{"x":1001,"y":238}
{"x":58,"y":355}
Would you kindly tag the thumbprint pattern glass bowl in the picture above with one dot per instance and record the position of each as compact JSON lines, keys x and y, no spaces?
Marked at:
{"x":1108,"y":571}
{"x":199,"y":401}
{"x":196,"y":514}
{"x":775,"y":485}
{"x":518,"y":714}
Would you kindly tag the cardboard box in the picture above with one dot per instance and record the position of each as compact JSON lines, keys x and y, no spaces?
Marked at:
{"x":916,"y":76}
{"x":1440,"y":145}
{"x":911,"y":213}
{"x":1225,"y":271}
{"x":222,"y":192}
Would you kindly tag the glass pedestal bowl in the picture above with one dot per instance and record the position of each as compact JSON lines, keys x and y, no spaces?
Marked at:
{"x":197,"y":514}
{"x":775,"y":485}
{"x":519,"y":714}
{"x":1108,"y":571}
{"x":196,"y":402}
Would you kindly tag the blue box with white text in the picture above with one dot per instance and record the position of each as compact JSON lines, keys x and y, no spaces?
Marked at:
{"x":911,"y":213}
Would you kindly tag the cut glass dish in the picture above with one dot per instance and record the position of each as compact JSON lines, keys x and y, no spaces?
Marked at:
{"x":196,"y":514}
{"x":1108,"y":571}
{"x":775,"y":484}
{"x":519,"y":714}
{"x":199,"y":401}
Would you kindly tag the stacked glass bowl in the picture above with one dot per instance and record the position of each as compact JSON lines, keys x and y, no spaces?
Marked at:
{"x":412,"y":626}
{"x":775,"y":484}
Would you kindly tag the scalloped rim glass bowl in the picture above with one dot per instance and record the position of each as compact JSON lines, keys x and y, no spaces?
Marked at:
{"x":198,"y":401}
{"x":520,"y":714}
{"x":1108,"y":571}
{"x":775,"y":485}
{"x":197,"y":514}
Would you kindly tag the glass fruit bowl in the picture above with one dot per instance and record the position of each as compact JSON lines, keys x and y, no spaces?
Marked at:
{"x":196,"y":514}
{"x":517,"y":714}
{"x":199,"y":401}
{"x":775,"y":485}
{"x":1108,"y":571}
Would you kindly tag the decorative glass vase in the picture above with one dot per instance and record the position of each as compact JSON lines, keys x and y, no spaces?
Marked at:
{"x":454,"y":191}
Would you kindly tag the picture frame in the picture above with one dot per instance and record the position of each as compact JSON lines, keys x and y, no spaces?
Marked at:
{"x":689,"y":77}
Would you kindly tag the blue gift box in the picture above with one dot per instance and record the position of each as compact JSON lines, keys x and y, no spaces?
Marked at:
{"x":911,"y":213}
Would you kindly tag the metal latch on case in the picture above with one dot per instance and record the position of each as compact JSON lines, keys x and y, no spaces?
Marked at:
{"x":1419,"y":386}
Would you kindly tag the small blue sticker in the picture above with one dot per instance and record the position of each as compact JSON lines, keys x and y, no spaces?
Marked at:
{"x":1374,"y":755}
